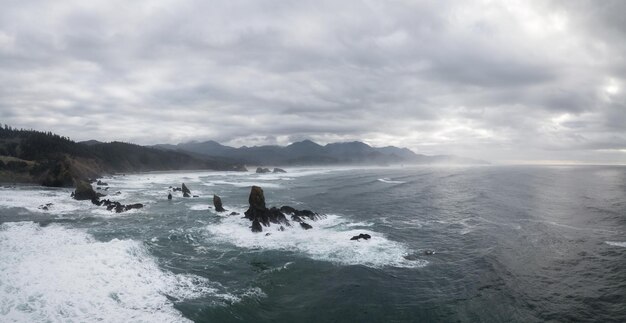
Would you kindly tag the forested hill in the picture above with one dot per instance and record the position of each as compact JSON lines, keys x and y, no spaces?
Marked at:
{"x":52,"y":160}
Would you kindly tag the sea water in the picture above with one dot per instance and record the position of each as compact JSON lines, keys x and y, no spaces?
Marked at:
{"x":510,"y":243}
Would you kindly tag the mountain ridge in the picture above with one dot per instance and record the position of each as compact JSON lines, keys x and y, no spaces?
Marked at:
{"x":308,"y":152}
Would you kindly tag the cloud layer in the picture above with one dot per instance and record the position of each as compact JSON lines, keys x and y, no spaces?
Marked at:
{"x":506,"y":81}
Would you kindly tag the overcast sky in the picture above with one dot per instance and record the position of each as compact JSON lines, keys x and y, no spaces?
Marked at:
{"x":505,"y":81}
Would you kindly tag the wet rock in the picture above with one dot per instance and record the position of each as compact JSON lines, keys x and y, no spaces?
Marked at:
{"x":267,"y":234}
{"x":361,"y":236}
{"x":287,"y":209}
{"x":281,"y":228}
{"x":117,"y":193}
{"x":234,"y":213}
{"x":84,"y":191}
{"x":101,"y":183}
{"x":259,"y":212}
{"x":96,"y":201}
{"x":279,"y":170}
{"x":45,"y":207}
{"x":169,"y":196}
{"x":133,"y":206}
{"x":256,"y":226}
{"x":297,"y":215}
{"x":261,"y":170}
{"x":186,"y":191}
{"x":429,"y":252}
{"x":257,"y":204}
{"x":275,"y":216}
{"x":217,"y":202}
{"x":176,"y":189}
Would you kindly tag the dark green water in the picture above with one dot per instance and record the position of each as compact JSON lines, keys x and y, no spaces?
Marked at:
{"x":512,"y":244}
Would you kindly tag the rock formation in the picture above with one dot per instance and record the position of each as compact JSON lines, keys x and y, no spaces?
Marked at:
{"x":217,"y":202}
{"x":279,"y":170}
{"x":186,"y":191}
{"x":361,"y":236}
{"x":260,"y":170}
{"x":84,"y":191}
{"x":259,"y":214}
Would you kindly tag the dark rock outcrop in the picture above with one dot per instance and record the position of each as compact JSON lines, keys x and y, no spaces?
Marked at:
{"x":259,"y":213}
{"x":279,"y":170}
{"x":217,"y":202}
{"x":297,"y":215}
{"x":101,"y":183}
{"x":84,"y":191}
{"x":234,"y":213}
{"x":186,"y":191}
{"x":361,"y":236}
{"x":117,"y":206}
{"x":261,"y":170}
{"x":256,"y":226}
{"x":133,"y":206}
{"x":169,"y":196}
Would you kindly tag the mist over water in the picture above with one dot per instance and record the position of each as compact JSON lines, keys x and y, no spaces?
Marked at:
{"x":517,"y":244}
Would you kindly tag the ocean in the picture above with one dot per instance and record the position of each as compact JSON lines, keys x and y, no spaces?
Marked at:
{"x":448,"y":244}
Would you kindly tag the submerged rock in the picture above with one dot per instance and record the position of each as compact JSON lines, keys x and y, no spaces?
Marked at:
{"x":305,"y":226}
{"x":361,"y":236}
{"x":84,"y":191}
{"x":234,"y":213}
{"x":217,"y":202}
{"x":279,"y":170}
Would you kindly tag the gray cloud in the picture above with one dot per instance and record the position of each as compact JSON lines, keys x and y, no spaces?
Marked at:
{"x":510,"y":81}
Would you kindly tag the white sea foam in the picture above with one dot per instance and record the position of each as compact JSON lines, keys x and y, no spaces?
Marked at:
{"x":616,"y":243}
{"x":329,"y":240}
{"x":199,"y":207}
{"x":390,"y":181}
{"x":245,"y":183}
{"x":53,"y":274}
{"x":32,"y":198}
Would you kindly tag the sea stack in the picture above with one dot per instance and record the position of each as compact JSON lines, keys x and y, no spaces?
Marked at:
{"x":217,"y":202}
{"x":186,"y":191}
{"x":169,"y":196}
{"x":84,"y":191}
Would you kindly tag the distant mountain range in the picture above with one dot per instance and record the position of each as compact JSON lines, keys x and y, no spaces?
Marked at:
{"x":29,"y":156}
{"x":308,"y":152}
